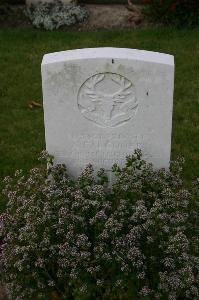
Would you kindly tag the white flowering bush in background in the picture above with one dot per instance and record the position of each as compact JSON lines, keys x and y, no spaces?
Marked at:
{"x":76,"y":239}
{"x":52,"y":15}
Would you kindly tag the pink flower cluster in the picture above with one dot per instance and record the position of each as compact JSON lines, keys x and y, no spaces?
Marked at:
{"x":68,"y":239}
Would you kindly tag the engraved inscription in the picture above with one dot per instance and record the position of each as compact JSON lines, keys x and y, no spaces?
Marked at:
{"x":107,"y":99}
{"x":100,"y":150}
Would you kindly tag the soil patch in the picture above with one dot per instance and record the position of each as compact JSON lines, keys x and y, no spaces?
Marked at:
{"x":112,"y":17}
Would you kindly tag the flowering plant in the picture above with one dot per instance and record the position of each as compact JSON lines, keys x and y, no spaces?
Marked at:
{"x":177,"y":12}
{"x":77,"y":239}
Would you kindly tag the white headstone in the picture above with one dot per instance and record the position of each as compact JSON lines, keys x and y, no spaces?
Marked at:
{"x":102,"y":103}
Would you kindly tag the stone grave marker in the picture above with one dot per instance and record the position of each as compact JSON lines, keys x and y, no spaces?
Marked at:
{"x":102,"y":103}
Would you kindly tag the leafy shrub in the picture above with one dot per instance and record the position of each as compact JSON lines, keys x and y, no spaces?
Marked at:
{"x":55,"y":14}
{"x":177,"y":12}
{"x":77,"y":239}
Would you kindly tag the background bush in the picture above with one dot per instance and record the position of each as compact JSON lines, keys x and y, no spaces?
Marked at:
{"x":53,"y":15}
{"x":66,"y":239}
{"x":179,"y":12}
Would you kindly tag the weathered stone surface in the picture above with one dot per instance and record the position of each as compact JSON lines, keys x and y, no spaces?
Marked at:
{"x":102,"y":103}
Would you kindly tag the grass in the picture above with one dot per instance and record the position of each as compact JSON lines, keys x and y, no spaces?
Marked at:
{"x":22,"y":128}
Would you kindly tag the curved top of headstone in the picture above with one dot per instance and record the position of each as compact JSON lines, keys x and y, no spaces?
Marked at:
{"x":108,"y":52}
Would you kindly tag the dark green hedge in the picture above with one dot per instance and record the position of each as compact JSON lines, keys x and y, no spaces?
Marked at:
{"x":183,"y":13}
{"x":12,"y":2}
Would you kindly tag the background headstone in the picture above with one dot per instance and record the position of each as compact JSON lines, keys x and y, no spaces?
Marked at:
{"x":102,"y":103}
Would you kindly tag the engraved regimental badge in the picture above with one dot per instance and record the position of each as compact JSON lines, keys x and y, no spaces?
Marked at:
{"x":107,"y":99}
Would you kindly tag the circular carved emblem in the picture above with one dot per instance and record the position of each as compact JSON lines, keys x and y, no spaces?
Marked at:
{"x":107,"y":99}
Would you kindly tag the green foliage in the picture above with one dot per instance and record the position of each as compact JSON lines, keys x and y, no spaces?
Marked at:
{"x":79,"y":239}
{"x":55,"y":14}
{"x":178,"y":12}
